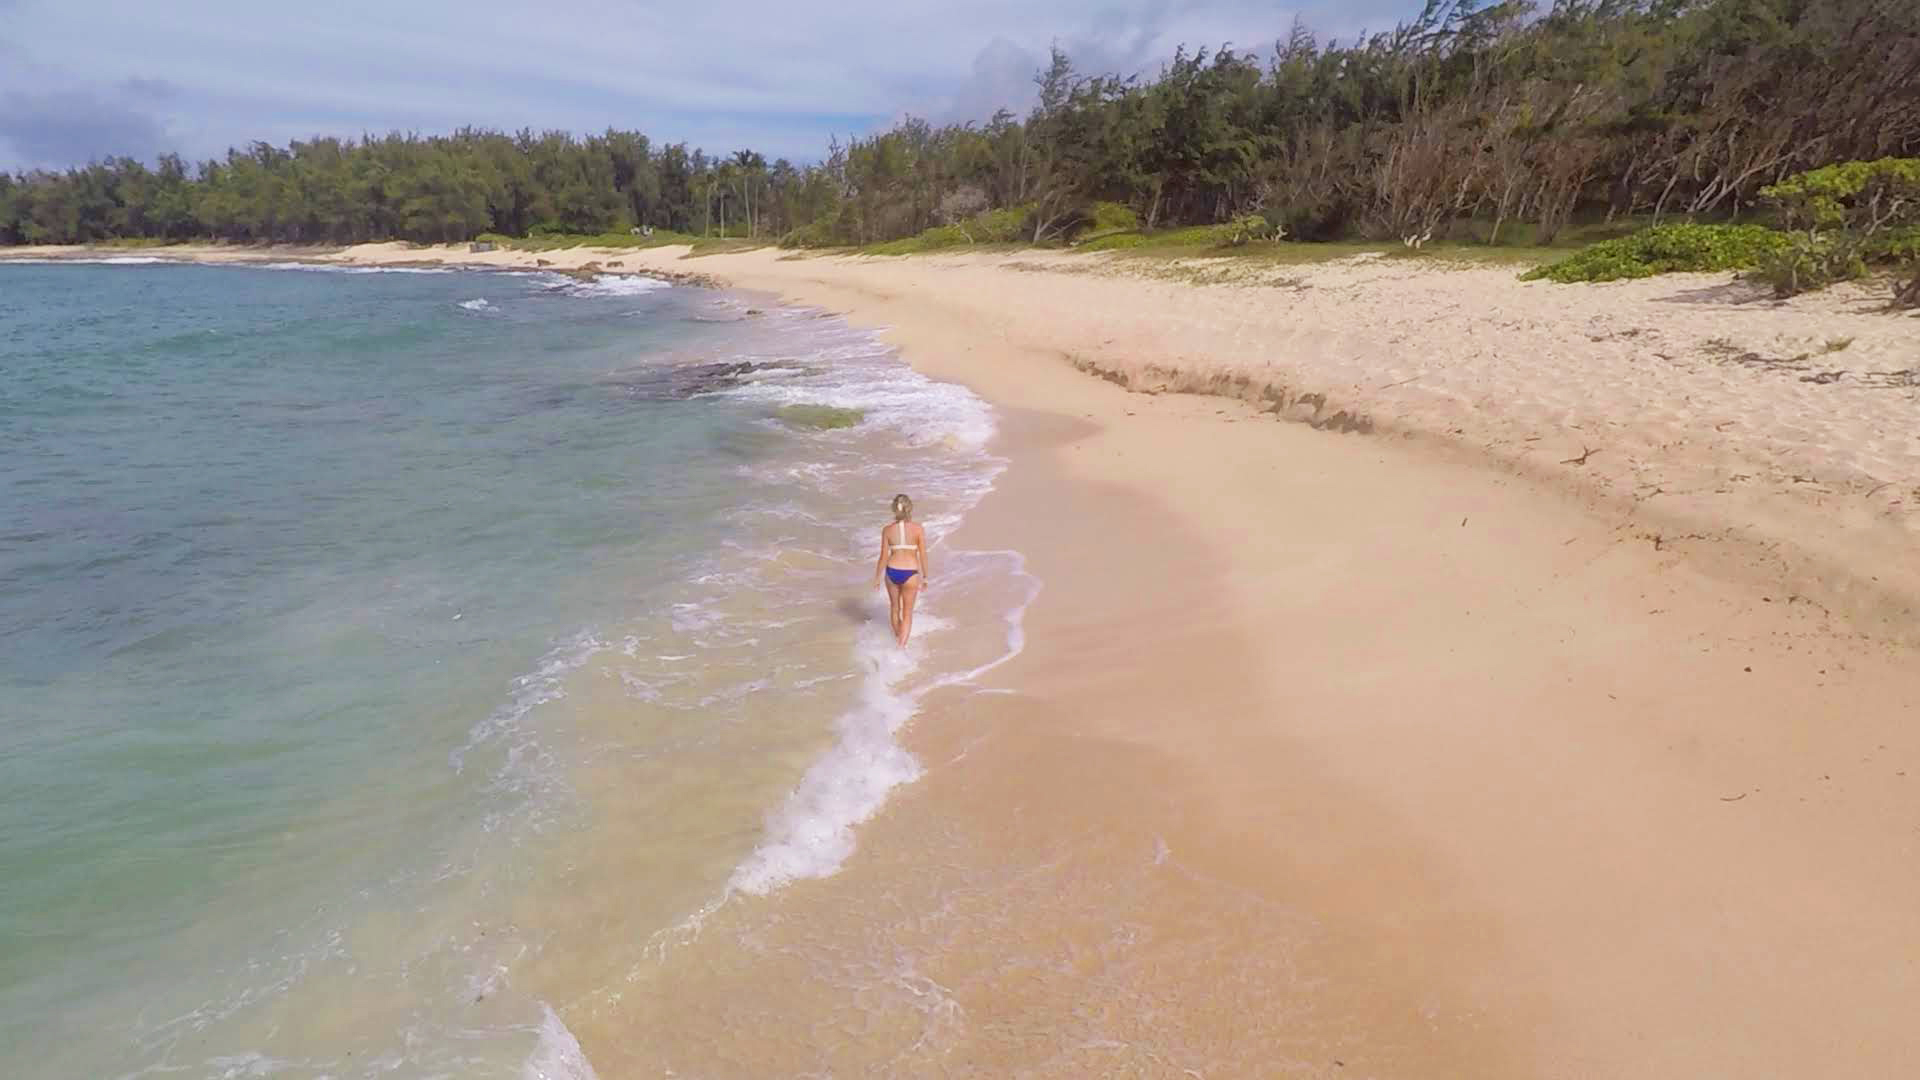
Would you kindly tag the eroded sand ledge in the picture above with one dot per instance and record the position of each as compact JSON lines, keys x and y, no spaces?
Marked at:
{"x":1336,"y":755}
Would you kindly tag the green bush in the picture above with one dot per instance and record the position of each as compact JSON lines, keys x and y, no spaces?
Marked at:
{"x":940,"y":236}
{"x":1004,"y":226}
{"x":1102,"y":219}
{"x":1118,"y":241}
{"x":1239,"y":232}
{"x":1810,"y":260}
{"x":1665,"y":249}
{"x":1248,"y":228}
{"x":1893,"y":246}
{"x":1113,"y":215}
{"x":1860,"y":196}
{"x":1850,"y":214}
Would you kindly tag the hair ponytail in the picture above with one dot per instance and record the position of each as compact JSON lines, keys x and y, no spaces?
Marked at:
{"x":902,"y":508}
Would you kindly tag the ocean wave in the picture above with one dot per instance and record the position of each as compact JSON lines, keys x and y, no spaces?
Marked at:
{"x":476,"y":305}
{"x":527,"y":767}
{"x":557,"y":1056}
{"x":111,"y":260}
{"x":610,"y":285}
{"x":812,"y":833}
{"x":886,"y":394}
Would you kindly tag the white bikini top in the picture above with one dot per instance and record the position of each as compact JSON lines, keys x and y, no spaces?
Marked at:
{"x":901,"y":544}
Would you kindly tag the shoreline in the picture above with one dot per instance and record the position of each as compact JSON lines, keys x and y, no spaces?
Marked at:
{"x":1330,"y":755}
{"x":1808,"y":486}
{"x":1527,"y":794}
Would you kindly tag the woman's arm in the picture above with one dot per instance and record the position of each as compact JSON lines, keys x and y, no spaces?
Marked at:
{"x":880,"y":564}
{"x":926,"y":564}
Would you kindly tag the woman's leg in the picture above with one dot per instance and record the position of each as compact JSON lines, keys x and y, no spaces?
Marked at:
{"x":908,"y":594}
{"x":893,"y":607}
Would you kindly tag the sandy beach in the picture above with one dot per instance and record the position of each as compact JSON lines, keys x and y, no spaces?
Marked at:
{"x":1342,"y":754}
{"x":1476,"y":679}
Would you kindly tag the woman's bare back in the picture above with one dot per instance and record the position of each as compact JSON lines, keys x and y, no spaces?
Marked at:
{"x":903,"y":541}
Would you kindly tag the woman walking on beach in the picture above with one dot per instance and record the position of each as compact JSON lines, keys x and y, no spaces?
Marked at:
{"x":903,"y":562}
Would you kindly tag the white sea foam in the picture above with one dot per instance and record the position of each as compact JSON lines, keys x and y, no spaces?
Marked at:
{"x":611,"y":285}
{"x":867,"y":376}
{"x":557,"y":1056}
{"x":476,"y":305}
{"x":812,"y":833}
{"x":111,"y":260}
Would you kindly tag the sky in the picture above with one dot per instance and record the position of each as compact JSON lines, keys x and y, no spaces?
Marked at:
{"x":86,"y":79}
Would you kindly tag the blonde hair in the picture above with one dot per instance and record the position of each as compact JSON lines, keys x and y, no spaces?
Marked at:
{"x":902,"y":508}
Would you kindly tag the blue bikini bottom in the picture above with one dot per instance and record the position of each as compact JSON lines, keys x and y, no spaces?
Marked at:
{"x":900,"y":577}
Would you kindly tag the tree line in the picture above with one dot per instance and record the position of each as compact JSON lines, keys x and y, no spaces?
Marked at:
{"x":1472,"y":118}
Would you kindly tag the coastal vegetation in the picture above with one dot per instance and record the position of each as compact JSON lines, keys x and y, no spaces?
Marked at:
{"x":1837,"y":221}
{"x":1664,"y":249}
{"x":1471,"y":123}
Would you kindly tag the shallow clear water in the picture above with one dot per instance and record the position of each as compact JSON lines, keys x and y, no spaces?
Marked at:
{"x":389,"y":659}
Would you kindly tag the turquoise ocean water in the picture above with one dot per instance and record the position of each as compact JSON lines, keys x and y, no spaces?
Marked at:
{"x":388,"y":659}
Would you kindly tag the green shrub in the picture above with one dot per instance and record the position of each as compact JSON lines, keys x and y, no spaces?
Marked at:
{"x":940,"y":236}
{"x":1113,"y":215}
{"x":1893,"y":246}
{"x":1101,"y":219}
{"x":1241,"y":231}
{"x":1248,"y":228}
{"x":1665,"y":249}
{"x":1117,"y":241}
{"x":1810,"y":260}
{"x":1004,"y":226}
{"x":1860,"y":196}
{"x":1850,"y":214}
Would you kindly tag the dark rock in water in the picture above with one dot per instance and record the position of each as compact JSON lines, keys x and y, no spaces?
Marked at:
{"x":682,"y":382}
{"x":702,"y":378}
